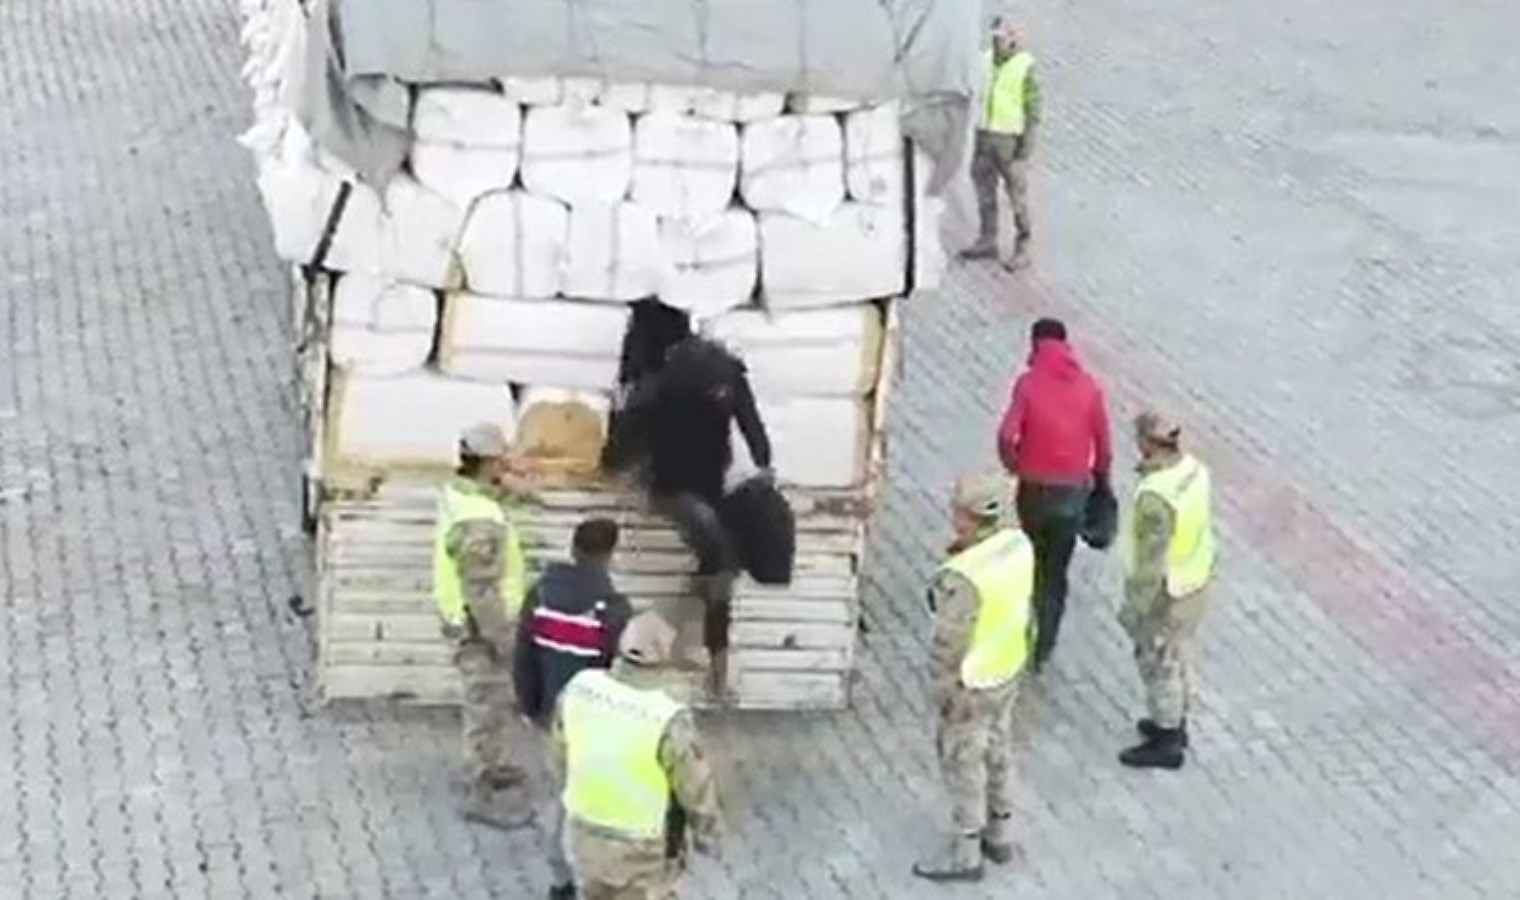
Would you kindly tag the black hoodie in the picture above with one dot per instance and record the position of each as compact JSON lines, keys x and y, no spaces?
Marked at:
{"x":571,"y":620}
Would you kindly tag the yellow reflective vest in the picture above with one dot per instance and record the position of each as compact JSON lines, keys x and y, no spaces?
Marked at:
{"x":1186,"y":488}
{"x":613,"y":777}
{"x":1003,"y":112}
{"x":1001,"y":568}
{"x":461,"y":504}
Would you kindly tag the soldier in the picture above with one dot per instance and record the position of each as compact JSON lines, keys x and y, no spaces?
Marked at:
{"x":478,"y":578}
{"x":1169,"y":561}
{"x":1005,"y":137}
{"x":982,"y":634}
{"x":627,"y":752}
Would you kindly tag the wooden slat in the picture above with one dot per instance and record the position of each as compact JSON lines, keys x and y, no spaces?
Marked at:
{"x":423,"y":685}
{"x":793,"y":635}
{"x":411,"y":654}
{"x":776,"y":690}
{"x":415,"y":627}
{"x":746,"y":659}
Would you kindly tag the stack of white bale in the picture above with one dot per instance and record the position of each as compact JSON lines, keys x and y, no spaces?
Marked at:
{"x":496,"y":273}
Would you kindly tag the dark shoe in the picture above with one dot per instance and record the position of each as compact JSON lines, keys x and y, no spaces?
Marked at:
{"x":562,"y":892}
{"x":960,"y":860}
{"x":982,"y":249}
{"x":1164,"y":751}
{"x":997,"y":840}
{"x":1149,"y":729}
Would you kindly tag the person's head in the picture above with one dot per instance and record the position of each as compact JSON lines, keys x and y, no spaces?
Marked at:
{"x":484,"y":453}
{"x":1046,"y":330}
{"x":976,"y":504}
{"x":594,"y":541}
{"x":1007,"y":37}
{"x":1157,"y":436}
{"x":646,"y":641}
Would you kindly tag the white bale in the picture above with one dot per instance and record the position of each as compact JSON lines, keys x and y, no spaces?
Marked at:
{"x":514,"y":245}
{"x":627,"y":96}
{"x":411,"y":420}
{"x":860,"y":254}
{"x":533,"y":91}
{"x":462,"y":174}
{"x":560,"y":431}
{"x":379,"y":328}
{"x":554,"y":342}
{"x":684,"y":166}
{"x":816,"y":442}
{"x":742,"y":108}
{"x":467,"y":117}
{"x":823,"y":352}
{"x":613,"y":253}
{"x":820,"y":104}
{"x":421,"y":230}
{"x":299,"y":197}
{"x":577,"y":154}
{"x":793,"y":164}
{"x":711,"y":265}
{"x":677,"y":98}
{"x":873,"y":155}
{"x":581,"y":91}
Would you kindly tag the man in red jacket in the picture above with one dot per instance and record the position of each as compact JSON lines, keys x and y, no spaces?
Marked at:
{"x":1054,"y":439}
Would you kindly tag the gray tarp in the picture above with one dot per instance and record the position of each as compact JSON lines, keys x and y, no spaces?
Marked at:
{"x":361,"y":53}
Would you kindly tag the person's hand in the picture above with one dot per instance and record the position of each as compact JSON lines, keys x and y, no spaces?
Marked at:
{"x":767,"y":475}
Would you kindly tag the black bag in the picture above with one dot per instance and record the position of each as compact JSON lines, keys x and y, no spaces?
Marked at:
{"x":760,"y":523}
{"x":1100,"y":518}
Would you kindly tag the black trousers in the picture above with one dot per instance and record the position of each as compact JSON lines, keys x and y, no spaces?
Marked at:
{"x":702,"y":531}
{"x":1051,"y":515}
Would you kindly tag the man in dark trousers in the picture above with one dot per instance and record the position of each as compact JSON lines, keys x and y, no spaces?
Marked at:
{"x":1054,"y":439}
{"x":571,"y":620}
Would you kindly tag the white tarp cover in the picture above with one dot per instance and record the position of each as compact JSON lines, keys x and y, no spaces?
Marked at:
{"x":361,"y":54}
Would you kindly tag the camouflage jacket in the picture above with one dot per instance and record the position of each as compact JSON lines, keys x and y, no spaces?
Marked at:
{"x":476,"y":547}
{"x":954,"y":602}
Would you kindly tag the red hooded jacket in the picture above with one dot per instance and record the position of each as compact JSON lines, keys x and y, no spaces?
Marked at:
{"x":1056,"y":428}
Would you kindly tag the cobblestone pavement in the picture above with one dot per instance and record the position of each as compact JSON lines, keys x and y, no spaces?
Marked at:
{"x":1292,"y":221}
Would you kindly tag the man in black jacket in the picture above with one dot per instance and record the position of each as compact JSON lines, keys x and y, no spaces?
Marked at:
{"x":571,"y":620}
{"x":677,"y":421}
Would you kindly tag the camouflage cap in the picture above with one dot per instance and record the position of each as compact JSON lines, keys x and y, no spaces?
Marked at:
{"x":1153,"y":425}
{"x":646,"y":640}
{"x":485,"y":440}
{"x":982,"y":493}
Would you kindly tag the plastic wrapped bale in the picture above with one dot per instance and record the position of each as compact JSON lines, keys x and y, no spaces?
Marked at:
{"x":793,"y":164}
{"x":380,"y":328}
{"x":463,"y":174}
{"x":533,"y":91}
{"x":467,"y":117}
{"x":419,"y":233}
{"x":806,"y":104}
{"x":560,"y":432}
{"x":300,"y":199}
{"x":613,"y":253}
{"x":411,"y":420}
{"x":818,"y":442}
{"x":628,"y":96}
{"x":514,"y":245}
{"x":711,"y":265}
{"x":577,"y":154}
{"x":683,"y":166}
{"x":859,"y":253}
{"x":741,"y":108}
{"x":874,"y":169}
{"x":552,"y":342}
{"x":824,"y":352}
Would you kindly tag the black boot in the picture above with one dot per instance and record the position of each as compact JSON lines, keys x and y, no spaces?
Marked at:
{"x":1149,"y":729}
{"x":562,"y":892}
{"x":1164,"y":751}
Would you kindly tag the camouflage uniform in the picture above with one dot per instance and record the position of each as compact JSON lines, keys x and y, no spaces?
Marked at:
{"x":973,"y":738}
{"x":610,"y":866}
{"x":483,"y":652}
{"x":1161,"y":626}
{"x":1005,"y":158}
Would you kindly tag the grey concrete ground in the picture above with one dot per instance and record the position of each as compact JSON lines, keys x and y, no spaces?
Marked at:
{"x":1293,"y":222}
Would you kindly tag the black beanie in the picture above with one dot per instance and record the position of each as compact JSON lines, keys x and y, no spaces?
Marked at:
{"x":1047,"y":330}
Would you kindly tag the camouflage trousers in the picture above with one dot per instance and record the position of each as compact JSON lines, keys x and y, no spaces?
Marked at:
{"x":613,"y":868}
{"x":1163,"y":638}
{"x":996,"y":159}
{"x":485,"y":709}
{"x":975,"y":747}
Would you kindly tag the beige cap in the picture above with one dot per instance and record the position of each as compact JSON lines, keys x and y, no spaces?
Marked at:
{"x":1159,"y":427}
{"x":982,"y":493}
{"x":647,"y":639}
{"x":1005,"y":28}
{"x":485,"y":440}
